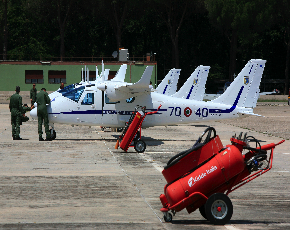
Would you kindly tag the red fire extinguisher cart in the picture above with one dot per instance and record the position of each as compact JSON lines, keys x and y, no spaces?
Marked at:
{"x":203,"y":176}
{"x":131,"y":135}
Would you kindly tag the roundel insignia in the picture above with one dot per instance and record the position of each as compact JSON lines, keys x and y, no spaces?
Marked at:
{"x":187,"y":111}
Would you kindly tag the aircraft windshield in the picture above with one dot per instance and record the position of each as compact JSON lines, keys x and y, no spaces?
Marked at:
{"x":67,"y":89}
{"x":74,"y":94}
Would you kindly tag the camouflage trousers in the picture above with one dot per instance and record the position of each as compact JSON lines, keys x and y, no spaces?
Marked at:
{"x":15,"y":122}
{"x":43,"y":117}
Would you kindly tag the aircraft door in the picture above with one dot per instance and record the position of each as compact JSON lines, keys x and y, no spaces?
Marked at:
{"x":88,"y":108}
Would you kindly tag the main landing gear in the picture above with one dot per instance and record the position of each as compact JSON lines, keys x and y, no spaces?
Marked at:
{"x":52,"y":132}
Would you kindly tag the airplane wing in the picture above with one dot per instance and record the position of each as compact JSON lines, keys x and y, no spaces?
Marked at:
{"x":124,"y":91}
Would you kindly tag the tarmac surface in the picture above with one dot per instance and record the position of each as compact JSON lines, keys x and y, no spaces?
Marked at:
{"x":80,"y":181}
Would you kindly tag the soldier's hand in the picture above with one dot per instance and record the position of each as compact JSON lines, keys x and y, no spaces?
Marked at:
{"x":32,"y":107}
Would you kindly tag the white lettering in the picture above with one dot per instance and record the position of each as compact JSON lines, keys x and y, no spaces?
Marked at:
{"x":192,"y":180}
{"x":213,"y":168}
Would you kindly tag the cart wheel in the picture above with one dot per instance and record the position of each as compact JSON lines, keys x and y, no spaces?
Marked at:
{"x":167,"y":217}
{"x":53,"y":135}
{"x":219,"y":209}
{"x":202,"y":211}
{"x":140,"y":146}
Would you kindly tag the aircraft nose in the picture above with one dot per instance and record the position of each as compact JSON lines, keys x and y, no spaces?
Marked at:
{"x":33,"y":113}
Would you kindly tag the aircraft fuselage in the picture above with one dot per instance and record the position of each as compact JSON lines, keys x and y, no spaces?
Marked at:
{"x":87,"y":110}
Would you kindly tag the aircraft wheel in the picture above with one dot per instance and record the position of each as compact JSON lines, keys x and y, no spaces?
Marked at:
{"x":219,"y":209}
{"x":202,"y":211}
{"x":167,"y":217}
{"x":53,"y":135}
{"x":140,"y":146}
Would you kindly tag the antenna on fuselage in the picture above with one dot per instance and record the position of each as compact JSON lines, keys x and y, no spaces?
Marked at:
{"x":103,"y":71}
{"x":85,"y":70}
{"x":82,"y":74}
{"x":88,"y":75}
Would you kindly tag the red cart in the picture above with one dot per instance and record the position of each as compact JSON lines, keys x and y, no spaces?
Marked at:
{"x":131,"y":135}
{"x":203,"y":176}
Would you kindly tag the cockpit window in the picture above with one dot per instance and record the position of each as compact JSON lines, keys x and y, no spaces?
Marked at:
{"x":67,"y":89}
{"x":89,"y":99}
{"x":74,"y":94}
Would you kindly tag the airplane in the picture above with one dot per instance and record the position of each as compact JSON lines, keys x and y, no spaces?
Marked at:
{"x":194,"y":87}
{"x":110,"y":103}
{"x":168,"y":86}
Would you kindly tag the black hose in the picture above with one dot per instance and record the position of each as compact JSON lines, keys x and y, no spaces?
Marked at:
{"x":195,"y":147}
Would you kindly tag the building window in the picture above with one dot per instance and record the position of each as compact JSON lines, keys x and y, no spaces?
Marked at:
{"x":56,"y":76}
{"x":92,"y":75}
{"x":112,"y":74}
{"x":33,"y":76}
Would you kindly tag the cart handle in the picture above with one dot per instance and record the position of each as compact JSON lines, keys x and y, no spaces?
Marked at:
{"x":270,"y":146}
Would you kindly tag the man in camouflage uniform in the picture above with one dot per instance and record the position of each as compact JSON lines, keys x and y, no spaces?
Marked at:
{"x":42,"y":99}
{"x":16,"y":110}
{"x":33,"y":93}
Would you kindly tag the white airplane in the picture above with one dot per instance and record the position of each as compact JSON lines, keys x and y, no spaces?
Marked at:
{"x":110,"y":103}
{"x":168,"y":86}
{"x":194,"y":87}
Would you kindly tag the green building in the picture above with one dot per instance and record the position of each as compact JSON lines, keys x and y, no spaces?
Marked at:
{"x":50,"y":74}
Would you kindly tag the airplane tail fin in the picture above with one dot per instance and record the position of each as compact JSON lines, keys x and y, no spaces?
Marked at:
{"x":168,"y":86}
{"x":145,"y":79}
{"x":244,"y":90}
{"x":120,"y":75}
{"x":194,"y":87}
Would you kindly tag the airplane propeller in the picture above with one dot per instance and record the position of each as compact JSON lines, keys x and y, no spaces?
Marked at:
{"x":103,"y":95}
{"x":102,"y":86}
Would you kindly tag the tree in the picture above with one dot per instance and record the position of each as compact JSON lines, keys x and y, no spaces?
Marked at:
{"x":58,"y":11}
{"x":5,"y":30}
{"x":115,"y":11}
{"x":173,"y":13}
{"x":63,"y":12}
{"x":237,"y":19}
{"x":282,"y":16}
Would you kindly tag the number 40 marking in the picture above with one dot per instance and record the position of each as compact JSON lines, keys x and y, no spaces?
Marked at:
{"x":202,"y":112}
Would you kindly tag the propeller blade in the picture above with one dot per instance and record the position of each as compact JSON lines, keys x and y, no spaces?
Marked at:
{"x":103,"y":94}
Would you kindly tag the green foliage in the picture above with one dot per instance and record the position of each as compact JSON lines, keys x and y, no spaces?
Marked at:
{"x":262,"y":28}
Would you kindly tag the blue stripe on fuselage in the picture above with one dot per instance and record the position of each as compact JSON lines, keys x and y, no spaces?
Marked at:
{"x":230,"y":109}
{"x":87,"y":112}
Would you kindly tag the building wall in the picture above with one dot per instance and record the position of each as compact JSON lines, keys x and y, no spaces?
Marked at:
{"x":13,"y":73}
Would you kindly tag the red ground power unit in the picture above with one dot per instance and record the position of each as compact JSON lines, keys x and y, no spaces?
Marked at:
{"x":204,"y":175}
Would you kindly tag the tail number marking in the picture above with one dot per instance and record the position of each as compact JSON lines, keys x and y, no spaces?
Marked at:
{"x":177,"y":111}
{"x":202,"y":112}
